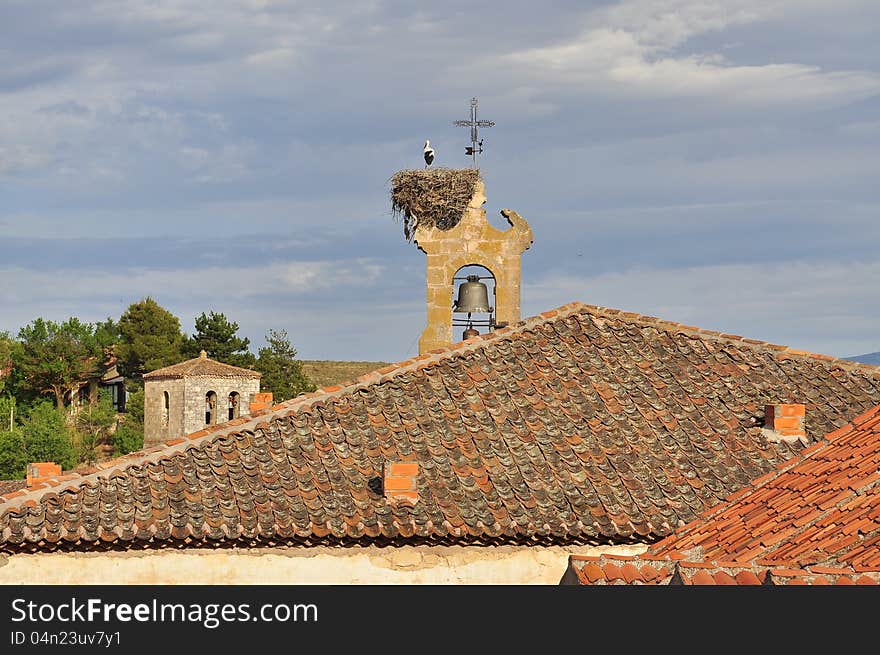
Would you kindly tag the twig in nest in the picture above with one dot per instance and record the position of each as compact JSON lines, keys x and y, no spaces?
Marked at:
{"x":434,"y":197}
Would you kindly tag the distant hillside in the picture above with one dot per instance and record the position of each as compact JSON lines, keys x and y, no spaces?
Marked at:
{"x":870,"y":358}
{"x":326,"y":373}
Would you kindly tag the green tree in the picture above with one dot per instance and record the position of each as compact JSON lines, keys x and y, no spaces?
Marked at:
{"x":129,"y":435}
{"x":8,"y":412}
{"x":46,"y":436}
{"x":93,"y":423}
{"x":127,"y":438}
{"x":216,"y":335}
{"x":7,"y":346}
{"x":149,"y":339}
{"x":134,"y":407}
{"x":10,"y":371}
{"x":107,"y":334}
{"x":282,"y":372}
{"x":57,"y":357}
{"x":13,"y":458}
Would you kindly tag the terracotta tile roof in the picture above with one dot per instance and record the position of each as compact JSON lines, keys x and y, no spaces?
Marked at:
{"x":201,"y":366}
{"x":582,"y":425}
{"x":585,"y":570}
{"x":817,"y":514}
{"x":8,"y":486}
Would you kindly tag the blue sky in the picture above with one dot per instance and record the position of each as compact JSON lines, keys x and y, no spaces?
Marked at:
{"x":711,"y":162}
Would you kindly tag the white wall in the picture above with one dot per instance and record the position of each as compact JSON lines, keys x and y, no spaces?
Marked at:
{"x":312,"y":565}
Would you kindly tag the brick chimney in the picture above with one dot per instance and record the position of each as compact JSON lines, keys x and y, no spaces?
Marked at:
{"x":399,"y":481}
{"x":785,"y":422}
{"x":261,"y":401}
{"x":41,"y":471}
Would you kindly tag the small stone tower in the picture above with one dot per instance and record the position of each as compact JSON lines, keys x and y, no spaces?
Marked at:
{"x":470,"y":241}
{"x":185,"y":397}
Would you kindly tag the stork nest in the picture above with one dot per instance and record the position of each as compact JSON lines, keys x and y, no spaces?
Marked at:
{"x":434,"y":197}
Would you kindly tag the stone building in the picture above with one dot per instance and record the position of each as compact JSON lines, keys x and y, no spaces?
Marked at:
{"x":442,"y":212}
{"x":473,"y":242}
{"x":583,"y":431}
{"x":186,"y":397}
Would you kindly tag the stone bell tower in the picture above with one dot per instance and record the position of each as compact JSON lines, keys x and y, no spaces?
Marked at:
{"x":470,"y":241}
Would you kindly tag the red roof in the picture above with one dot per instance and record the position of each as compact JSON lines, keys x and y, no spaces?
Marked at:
{"x":585,"y":425}
{"x":201,"y":366}
{"x":815,"y":519}
{"x":621,"y":570}
{"x":10,"y":486}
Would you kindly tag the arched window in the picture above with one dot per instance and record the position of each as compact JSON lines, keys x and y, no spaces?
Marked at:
{"x":210,"y":408}
{"x":166,"y":408}
{"x":233,"y":405}
{"x":482,"y":319}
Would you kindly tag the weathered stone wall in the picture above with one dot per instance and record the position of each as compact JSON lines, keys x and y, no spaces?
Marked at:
{"x":314,"y":565}
{"x":155,"y":431}
{"x":472,"y":241}
{"x":187,"y":407}
{"x":196,"y":389}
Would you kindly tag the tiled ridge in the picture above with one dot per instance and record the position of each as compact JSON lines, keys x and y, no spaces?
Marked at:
{"x":778,"y":350}
{"x":824,"y":500}
{"x":511,"y":331}
{"x":8,"y":486}
{"x":815,"y":519}
{"x":616,"y":570}
{"x":201,"y":366}
{"x":576,"y":425}
{"x":157,"y":452}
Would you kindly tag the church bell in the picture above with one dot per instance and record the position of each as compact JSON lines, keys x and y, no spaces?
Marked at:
{"x":473,"y":297}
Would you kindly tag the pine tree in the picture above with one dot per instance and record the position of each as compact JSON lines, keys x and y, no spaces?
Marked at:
{"x":149,"y":339}
{"x":216,"y":335}
{"x":282,"y":372}
{"x":129,"y":435}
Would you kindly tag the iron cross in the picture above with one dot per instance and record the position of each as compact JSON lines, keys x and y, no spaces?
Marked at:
{"x":476,"y":143}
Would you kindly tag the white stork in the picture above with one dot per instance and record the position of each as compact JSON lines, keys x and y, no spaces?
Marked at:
{"x":429,"y":154}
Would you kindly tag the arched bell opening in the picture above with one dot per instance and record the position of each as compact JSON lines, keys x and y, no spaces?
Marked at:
{"x":210,"y":408}
{"x":233,"y":405}
{"x":473,"y":305}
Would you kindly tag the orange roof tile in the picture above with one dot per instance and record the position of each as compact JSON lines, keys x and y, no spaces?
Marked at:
{"x":815,"y":518}
{"x":201,"y":366}
{"x":488,"y":420}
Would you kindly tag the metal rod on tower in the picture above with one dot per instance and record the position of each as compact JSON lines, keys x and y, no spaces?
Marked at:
{"x":476,"y":143}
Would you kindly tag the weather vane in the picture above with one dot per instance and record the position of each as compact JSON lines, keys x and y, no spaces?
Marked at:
{"x":476,"y":142}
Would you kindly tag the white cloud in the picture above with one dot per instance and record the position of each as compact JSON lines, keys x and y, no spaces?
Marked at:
{"x":664,"y":24}
{"x":258,"y":298}
{"x":770,"y":84}
{"x":821,"y":306}
{"x":163,"y":119}
{"x":234,"y":283}
{"x":861,"y":129}
{"x":19,"y":158}
{"x":631,"y":49}
{"x":274,"y":57}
